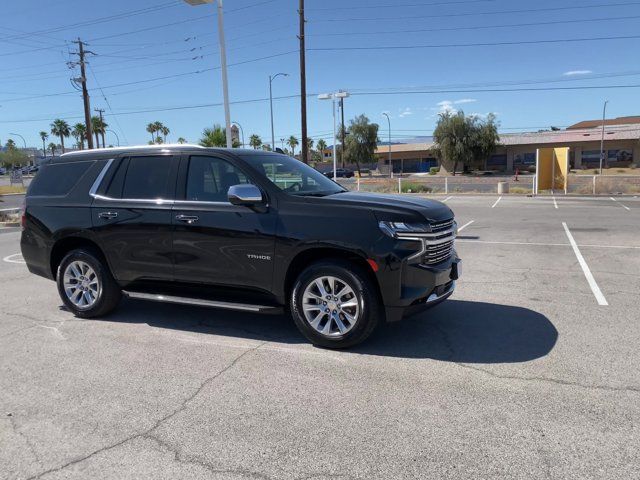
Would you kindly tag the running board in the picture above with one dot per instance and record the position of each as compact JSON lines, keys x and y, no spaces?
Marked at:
{"x":200,"y":302}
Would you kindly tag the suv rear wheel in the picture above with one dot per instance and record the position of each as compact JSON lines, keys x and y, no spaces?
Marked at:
{"x":335,"y":304}
{"x":86,"y":285}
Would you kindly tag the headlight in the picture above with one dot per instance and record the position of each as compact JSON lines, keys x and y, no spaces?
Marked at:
{"x":399,"y":229}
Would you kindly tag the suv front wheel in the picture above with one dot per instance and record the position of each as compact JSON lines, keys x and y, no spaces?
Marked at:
{"x":86,"y":285}
{"x":335,"y":304}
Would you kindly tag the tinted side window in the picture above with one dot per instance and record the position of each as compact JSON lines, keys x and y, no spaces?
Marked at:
{"x":147,"y":177}
{"x":114,"y":190}
{"x":57,"y":179}
{"x":209,"y":179}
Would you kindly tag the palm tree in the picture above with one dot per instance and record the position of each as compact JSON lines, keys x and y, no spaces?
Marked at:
{"x":61,"y":129}
{"x":11,"y":145}
{"x":321,"y":146}
{"x":214,"y":137}
{"x":165,"y":131}
{"x":151,"y":128}
{"x":293,"y":143}
{"x":79,"y":132}
{"x":158,"y":126}
{"x":52,"y":147}
{"x":99,"y":127}
{"x":181,"y":140}
{"x":255,"y":141}
{"x":44,"y":136}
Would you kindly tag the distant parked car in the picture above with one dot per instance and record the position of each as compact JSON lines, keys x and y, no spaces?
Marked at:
{"x":340,"y":172}
{"x":3,"y":171}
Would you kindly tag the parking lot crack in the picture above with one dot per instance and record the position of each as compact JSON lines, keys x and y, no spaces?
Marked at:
{"x":148,"y":432}
{"x":557,"y":381}
{"x":26,"y":439}
{"x":180,"y":457}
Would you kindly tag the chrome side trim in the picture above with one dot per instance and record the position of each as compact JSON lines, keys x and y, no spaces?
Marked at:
{"x":155,"y":201}
{"x":245,"y":307}
{"x":434,"y":297}
{"x":99,"y":178}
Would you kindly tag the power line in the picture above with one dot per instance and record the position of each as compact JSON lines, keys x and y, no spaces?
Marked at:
{"x":474,"y":27}
{"x":501,"y":12}
{"x":400,"y":5}
{"x":479,"y":44}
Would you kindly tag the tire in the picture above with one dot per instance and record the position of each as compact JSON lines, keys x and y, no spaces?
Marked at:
{"x":361,"y":303}
{"x":98,"y":293}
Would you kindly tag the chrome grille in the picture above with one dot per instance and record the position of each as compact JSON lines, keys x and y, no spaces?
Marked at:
{"x":438,"y":245}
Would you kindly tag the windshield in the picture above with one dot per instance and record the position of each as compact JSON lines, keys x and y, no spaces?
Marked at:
{"x":292,"y":176}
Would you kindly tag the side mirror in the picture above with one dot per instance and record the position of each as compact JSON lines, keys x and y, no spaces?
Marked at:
{"x":245,"y":194}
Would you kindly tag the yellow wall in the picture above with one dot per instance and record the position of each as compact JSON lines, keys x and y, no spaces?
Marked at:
{"x":552,"y":161}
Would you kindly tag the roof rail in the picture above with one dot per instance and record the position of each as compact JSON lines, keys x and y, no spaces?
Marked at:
{"x":133,"y":147}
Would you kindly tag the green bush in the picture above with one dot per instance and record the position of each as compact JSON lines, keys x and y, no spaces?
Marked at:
{"x":434,"y":170}
{"x":411,"y":187}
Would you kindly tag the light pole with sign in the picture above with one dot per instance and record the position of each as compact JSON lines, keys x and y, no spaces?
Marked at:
{"x":333,"y":97}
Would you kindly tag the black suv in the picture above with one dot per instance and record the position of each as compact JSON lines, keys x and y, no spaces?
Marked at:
{"x":235,"y":229}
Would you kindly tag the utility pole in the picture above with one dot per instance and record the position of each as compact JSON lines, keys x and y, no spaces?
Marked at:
{"x":303,"y":86}
{"x":101,"y":111}
{"x":604,"y":116}
{"x":342,"y":133}
{"x":85,"y":93}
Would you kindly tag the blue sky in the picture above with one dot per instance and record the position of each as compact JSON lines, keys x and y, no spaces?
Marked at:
{"x":145,"y":62}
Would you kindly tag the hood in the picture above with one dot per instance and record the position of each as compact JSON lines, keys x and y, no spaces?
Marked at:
{"x":383,"y":204}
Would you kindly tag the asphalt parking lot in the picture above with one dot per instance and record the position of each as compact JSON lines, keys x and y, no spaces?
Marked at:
{"x":529,"y":371}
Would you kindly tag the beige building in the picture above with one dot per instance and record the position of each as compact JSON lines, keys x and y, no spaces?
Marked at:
{"x":518,"y":150}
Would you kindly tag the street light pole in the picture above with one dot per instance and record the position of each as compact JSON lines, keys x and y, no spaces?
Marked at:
{"x":23,"y":140}
{"x":223,"y":64}
{"x":604,"y":115}
{"x":333,"y":97}
{"x":271,"y":79}
{"x":389,"y":122}
{"x":117,"y":137}
{"x":241,"y":132}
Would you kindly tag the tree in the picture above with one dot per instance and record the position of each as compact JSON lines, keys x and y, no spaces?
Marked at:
{"x":181,"y":140}
{"x":158,"y":126}
{"x":293,"y":143}
{"x":361,"y":141}
{"x":11,"y":145}
{"x":165,"y":131}
{"x":465,"y":140}
{"x":99,"y":127}
{"x":151,"y":128}
{"x":321,"y":146}
{"x":13,"y":156}
{"x":44,"y":136}
{"x":255,"y":141}
{"x":61,"y":129}
{"x":214,"y":137}
{"x":52,"y":147}
{"x":485,"y":139}
{"x":79,"y":132}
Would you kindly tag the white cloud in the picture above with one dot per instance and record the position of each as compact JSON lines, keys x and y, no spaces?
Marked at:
{"x":406,"y":112}
{"x":465,"y":100}
{"x":572,"y":73}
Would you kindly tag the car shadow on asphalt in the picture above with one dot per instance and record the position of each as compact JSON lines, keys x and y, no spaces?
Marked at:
{"x":455,"y":331}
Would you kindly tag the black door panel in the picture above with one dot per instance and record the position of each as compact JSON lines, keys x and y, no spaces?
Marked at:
{"x":226,"y":245}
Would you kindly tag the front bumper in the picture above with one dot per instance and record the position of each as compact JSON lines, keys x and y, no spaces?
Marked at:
{"x":421,"y":287}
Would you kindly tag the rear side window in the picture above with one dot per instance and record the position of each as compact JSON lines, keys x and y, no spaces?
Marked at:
{"x":147,"y":177}
{"x":209,"y":179}
{"x":57,"y":179}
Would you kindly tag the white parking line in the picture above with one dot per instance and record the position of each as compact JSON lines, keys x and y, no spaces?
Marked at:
{"x":447,"y":199}
{"x":15,"y":258}
{"x":555,"y":204}
{"x":498,"y":200}
{"x":585,"y":268}
{"x":541,"y":244}
{"x":465,"y":225}
{"x":623,"y":206}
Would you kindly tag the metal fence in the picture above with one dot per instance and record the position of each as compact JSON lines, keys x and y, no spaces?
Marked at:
{"x":578,"y":184}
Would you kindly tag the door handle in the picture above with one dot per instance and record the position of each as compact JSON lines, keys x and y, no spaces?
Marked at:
{"x":108,"y":215}
{"x":189,"y":219}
